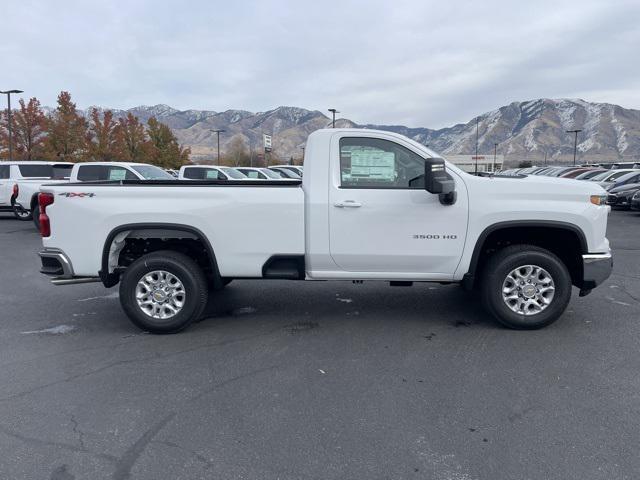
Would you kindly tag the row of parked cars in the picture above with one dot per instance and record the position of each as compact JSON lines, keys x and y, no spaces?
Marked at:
{"x":621,"y":181}
{"x":20,"y":181}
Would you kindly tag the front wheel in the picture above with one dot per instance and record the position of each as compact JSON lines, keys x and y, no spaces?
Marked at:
{"x":163,"y":292}
{"x":526,"y":287}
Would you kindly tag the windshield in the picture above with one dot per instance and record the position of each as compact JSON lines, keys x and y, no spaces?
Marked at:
{"x":617,"y":175}
{"x":627,"y":176}
{"x":600,"y":176}
{"x":233,"y":173}
{"x":270,"y":173}
{"x":150,"y":172}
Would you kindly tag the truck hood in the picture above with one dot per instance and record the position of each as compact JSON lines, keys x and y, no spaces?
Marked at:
{"x":539,"y":187}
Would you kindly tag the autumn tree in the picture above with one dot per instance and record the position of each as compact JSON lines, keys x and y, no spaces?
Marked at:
{"x":132,"y":138}
{"x":67,"y":135}
{"x":237,"y":154}
{"x":28,"y":128}
{"x":163,"y":148}
{"x":106,"y":143}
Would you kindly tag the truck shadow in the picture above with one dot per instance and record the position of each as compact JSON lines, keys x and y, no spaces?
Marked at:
{"x":335,"y":302}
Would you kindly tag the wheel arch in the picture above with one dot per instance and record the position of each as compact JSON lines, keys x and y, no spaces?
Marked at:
{"x":528,"y":231}
{"x":110,"y":278}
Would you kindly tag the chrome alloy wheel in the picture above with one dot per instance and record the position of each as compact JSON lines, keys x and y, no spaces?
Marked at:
{"x":160,"y":294}
{"x":528,"y":290}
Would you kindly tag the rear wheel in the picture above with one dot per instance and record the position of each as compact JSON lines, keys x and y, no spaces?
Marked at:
{"x":22,"y":214}
{"x":526,"y":287}
{"x":163,"y":292}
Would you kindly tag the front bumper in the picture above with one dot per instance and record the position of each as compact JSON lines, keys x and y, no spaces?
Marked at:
{"x":596,"y":268}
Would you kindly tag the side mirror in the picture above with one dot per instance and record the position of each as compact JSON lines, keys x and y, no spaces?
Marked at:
{"x":438,"y":181}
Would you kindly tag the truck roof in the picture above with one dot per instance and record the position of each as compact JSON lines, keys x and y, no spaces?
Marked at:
{"x":32,"y":162}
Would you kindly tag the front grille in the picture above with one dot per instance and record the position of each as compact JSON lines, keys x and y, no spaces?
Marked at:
{"x":612,"y":199}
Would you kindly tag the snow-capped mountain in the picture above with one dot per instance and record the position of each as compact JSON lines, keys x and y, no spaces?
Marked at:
{"x":522,"y":130}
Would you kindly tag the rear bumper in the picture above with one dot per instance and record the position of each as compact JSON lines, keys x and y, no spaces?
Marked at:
{"x":55,"y":263}
{"x":596,"y":268}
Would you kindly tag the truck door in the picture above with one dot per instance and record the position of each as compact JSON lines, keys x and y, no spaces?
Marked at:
{"x":381,"y":219}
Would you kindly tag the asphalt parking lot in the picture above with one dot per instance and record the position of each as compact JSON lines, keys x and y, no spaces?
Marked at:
{"x":296,"y":380}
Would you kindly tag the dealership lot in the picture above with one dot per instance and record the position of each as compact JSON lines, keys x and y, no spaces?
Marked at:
{"x":316,"y":380}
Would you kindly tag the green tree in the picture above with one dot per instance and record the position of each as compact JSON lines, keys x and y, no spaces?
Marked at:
{"x":164,"y":149}
{"x":67,"y":134}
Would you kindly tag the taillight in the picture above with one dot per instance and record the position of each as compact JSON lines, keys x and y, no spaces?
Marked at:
{"x":44,"y":200}
{"x":15,"y":190}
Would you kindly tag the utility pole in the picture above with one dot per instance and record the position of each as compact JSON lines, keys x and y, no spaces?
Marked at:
{"x":575,"y":143}
{"x":333,"y":112}
{"x":477,"y":120}
{"x":217,"y":132}
{"x":495,"y":154}
{"x":303,"y":147}
{"x":8,"y":94}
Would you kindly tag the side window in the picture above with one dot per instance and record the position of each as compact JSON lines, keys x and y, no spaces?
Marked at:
{"x":377,"y":163}
{"x":4,"y":171}
{"x":88,"y":173}
{"x":252,"y":174}
{"x":194,"y":173}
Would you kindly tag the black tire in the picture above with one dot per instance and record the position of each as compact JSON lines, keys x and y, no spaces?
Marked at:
{"x":24,"y":215}
{"x":189,"y":274}
{"x":36,"y":216}
{"x":510,"y":258}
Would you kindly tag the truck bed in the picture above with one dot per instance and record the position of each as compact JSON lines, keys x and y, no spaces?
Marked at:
{"x":246,"y":222}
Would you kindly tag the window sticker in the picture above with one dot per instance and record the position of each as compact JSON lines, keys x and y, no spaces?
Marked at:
{"x":372,"y":164}
{"x":117,"y":174}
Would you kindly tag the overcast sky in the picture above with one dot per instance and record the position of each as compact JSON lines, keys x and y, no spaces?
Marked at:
{"x":416,"y":63}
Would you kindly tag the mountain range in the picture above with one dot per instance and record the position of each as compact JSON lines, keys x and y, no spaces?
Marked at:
{"x":523,"y":131}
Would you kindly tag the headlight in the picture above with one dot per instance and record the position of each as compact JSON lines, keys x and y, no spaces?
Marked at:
{"x":598,"y":199}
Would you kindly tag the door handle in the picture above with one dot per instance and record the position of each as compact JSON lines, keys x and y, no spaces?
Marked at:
{"x":347,"y":204}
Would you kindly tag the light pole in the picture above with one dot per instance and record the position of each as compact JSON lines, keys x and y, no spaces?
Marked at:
{"x":8,"y":94}
{"x":575,"y":143}
{"x":477,"y":120}
{"x":495,"y":154}
{"x":217,"y":132}
{"x":303,"y":147}
{"x":333,"y":112}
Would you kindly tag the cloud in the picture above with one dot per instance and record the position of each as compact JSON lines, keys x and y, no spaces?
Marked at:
{"x":407,"y":62}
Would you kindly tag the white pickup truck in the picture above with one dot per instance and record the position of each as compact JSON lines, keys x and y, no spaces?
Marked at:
{"x":372,"y":205}
{"x":31,"y":174}
{"x":25,"y":201}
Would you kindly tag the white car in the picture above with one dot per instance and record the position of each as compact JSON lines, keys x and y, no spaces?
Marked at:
{"x":372,"y":205}
{"x":209,"y":172}
{"x":31,"y":174}
{"x":260,"y":173}
{"x":26,"y":200}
